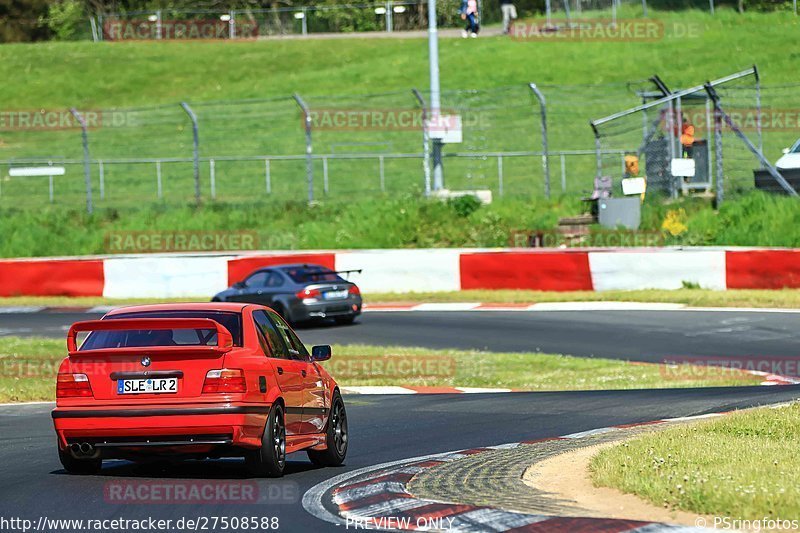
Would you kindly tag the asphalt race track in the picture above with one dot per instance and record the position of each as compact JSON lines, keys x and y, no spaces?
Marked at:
{"x":635,"y":335}
{"x":387,"y":428}
{"x":382,"y":429}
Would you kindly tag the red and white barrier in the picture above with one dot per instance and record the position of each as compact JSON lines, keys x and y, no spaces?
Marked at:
{"x":202,"y":275}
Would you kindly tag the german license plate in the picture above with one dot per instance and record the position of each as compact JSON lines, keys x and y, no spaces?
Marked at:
{"x":334,"y":295}
{"x":147,"y":386}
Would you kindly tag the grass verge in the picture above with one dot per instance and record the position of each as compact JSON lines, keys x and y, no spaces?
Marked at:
{"x":741,"y":466}
{"x":777,"y":299}
{"x":404,"y":221}
{"x":29,"y":367}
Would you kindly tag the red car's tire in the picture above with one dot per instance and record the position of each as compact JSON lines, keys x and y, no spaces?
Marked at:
{"x":337,"y":439}
{"x":270,"y":459}
{"x":79,"y":466}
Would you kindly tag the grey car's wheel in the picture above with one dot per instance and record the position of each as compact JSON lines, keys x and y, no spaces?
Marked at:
{"x":270,"y":459}
{"x":79,"y":466}
{"x":337,"y":436}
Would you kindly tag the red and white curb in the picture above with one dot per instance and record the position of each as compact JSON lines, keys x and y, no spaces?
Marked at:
{"x":377,"y":497}
{"x":440,"y":307}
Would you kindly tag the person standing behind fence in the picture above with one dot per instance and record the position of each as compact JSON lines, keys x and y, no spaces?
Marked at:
{"x":469,"y":12}
{"x":687,"y":138}
{"x":509,"y":14}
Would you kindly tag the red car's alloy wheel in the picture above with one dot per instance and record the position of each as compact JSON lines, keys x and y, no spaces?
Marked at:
{"x":339,"y":422}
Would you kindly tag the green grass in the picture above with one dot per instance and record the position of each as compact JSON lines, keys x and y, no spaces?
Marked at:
{"x":29,"y":367}
{"x":336,"y":74}
{"x":742,"y":466}
{"x":770,"y":299}
{"x":400,"y":222}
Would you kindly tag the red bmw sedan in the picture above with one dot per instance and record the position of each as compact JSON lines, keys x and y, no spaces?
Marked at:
{"x":195,"y":381}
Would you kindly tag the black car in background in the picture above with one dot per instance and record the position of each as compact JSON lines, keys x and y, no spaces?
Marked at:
{"x":299,"y":292}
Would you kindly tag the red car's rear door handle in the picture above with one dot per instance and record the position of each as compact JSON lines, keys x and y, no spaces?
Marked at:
{"x":280,"y":370}
{"x":303,"y":373}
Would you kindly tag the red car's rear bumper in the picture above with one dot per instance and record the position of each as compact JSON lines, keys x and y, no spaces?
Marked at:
{"x":239,"y":425}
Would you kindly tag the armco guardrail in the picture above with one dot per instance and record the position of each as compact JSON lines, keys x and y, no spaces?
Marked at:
{"x":447,"y":269}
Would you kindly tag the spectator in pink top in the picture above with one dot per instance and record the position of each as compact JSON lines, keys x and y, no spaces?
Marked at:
{"x":469,"y":12}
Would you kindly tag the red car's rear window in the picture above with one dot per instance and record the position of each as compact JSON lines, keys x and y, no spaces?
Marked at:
{"x":171,"y":337}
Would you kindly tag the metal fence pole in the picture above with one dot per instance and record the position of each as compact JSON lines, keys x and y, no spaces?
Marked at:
{"x":383,"y":176}
{"x":232,"y":24}
{"x":563,"y":173}
{"x":598,"y":156}
{"x":644,"y":8}
{"x":50,"y":182}
{"x":158,"y":179}
{"x":711,"y":6}
{"x":500,"y":175}
{"x":758,"y":110}
{"x":212,"y":168}
{"x":309,"y":149}
{"x":709,"y":125}
{"x":159,"y":25}
{"x":304,"y":22}
{"x":389,"y":17}
{"x":102,"y":180}
{"x":718,"y":157}
{"x":545,"y":154}
{"x":426,"y":163}
{"x":196,"y":149}
{"x":671,"y":146}
{"x":268,"y":176}
{"x":325,"y":175}
{"x":87,"y":169}
{"x":436,"y":104}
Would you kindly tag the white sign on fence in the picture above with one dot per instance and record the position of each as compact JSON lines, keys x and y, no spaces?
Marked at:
{"x":683,"y":168}
{"x":36,"y":171}
{"x":446,"y":128}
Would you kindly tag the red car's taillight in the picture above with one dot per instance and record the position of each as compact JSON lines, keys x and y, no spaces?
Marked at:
{"x":225,"y":380}
{"x":73,"y":386}
{"x":354,"y":290}
{"x":309,"y":294}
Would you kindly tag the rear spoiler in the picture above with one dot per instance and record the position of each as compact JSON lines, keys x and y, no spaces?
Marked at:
{"x":224,"y":337}
{"x":357,"y":271}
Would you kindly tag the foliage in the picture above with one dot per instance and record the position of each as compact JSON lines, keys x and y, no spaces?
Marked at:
{"x":65,"y":19}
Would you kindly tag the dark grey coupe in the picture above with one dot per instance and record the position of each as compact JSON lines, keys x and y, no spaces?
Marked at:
{"x":299,"y":292}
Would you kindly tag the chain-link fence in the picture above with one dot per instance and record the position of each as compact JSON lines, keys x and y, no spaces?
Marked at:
{"x":388,"y":16}
{"x":359,"y":145}
{"x":727,"y":130}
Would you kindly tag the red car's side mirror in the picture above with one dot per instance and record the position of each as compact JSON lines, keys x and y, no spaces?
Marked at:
{"x":321,"y":352}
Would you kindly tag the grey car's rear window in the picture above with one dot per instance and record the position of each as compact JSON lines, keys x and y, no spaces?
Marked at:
{"x":311,"y":274}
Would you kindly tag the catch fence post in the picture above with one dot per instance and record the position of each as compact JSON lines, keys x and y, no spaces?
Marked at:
{"x":545,"y":154}
{"x":87,"y":169}
{"x":195,"y":150}
{"x":309,"y":148}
